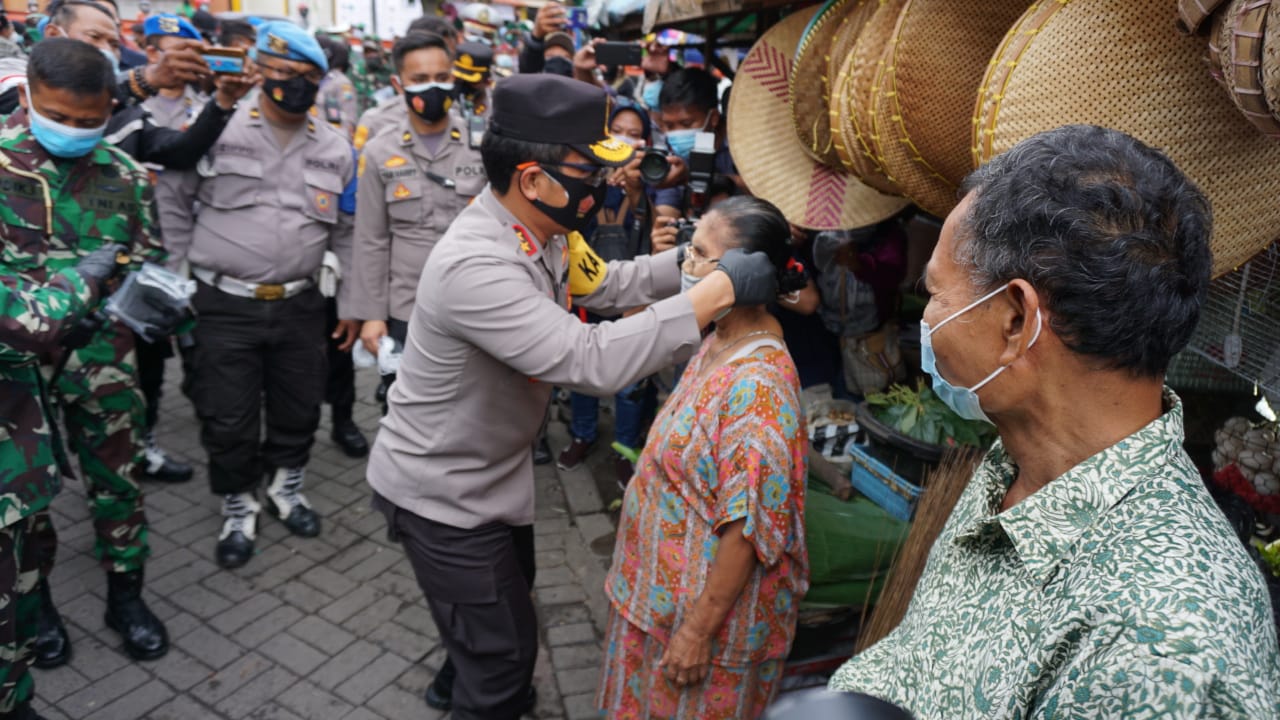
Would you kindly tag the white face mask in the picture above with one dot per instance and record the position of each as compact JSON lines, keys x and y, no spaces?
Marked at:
{"x":633,"y":142}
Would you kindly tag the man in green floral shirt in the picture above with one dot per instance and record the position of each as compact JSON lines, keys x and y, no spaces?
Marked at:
{"x":1085,"y":572}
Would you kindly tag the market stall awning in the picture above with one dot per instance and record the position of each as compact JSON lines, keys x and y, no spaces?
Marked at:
{"x":660,"y":14}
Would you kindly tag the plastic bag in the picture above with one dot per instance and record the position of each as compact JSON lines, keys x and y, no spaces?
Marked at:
{"x":851,"y":547}
{"x":153,"y":302}
{"x":387,"y":360}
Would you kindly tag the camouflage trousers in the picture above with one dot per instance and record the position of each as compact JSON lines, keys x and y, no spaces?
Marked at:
{"x":19,"y":611}
{"x":103,"y":413}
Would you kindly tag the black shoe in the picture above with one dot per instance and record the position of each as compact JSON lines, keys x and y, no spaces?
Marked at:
{"x":234,"y":550}
{"x":301,"y":520}
{"x":144,"y":635}
{"x":53,"y":645}
{"x":541,"y":452}
{"x":438,"y":698}
{"x":162,"y":467}
{"x":348,"y":437}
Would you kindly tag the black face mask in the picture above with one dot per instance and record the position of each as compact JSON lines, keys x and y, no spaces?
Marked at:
{"x":577,"y":214}
{"x":558,"y":66}
{"x":294,"y":96}
{"x":431,"y":104}
{"x":373,"y":63}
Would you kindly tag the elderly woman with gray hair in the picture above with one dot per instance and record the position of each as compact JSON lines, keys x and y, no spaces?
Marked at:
{"x":1085,"y":572}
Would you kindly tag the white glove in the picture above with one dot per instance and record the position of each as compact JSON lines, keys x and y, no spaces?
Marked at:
{"x":388,"y":355}
{"x":330,"y":275}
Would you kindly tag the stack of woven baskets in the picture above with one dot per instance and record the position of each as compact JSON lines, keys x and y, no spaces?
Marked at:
{"x":844,"y":112}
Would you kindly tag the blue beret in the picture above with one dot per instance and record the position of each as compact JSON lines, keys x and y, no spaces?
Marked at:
{"x":256,"y":21}
{"x":288,"y":41}
{"x":169,"y":24}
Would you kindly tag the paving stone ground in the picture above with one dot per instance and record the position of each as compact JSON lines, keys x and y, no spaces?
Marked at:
{"x":331,"y":627}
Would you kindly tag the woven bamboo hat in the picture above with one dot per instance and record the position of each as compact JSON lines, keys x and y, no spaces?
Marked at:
{"x":810,"y":84}
{"x":934,"y":65}
{"x":1237,"y":51}
{"x":768,"y":153}
{"x":840,"y":68}
{"x":1122,"y":64}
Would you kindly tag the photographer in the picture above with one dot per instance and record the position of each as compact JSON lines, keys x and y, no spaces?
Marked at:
{"x":689,"y":104}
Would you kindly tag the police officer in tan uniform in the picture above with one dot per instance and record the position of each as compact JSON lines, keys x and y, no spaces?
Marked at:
{"x":413,"y":183}
{"x":275,"y":192}
{"x":488,"y":336}
{"x":337,"y":100}
{"x":472,"y":72}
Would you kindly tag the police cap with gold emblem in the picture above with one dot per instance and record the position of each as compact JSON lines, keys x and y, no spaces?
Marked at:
{"x":168,"y":24}
{"x":555,"y":110}
{"x":474,"y":61}
{"x":286,"y":40}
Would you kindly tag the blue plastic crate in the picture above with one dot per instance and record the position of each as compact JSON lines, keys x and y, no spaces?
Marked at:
{"x":884,"y":487}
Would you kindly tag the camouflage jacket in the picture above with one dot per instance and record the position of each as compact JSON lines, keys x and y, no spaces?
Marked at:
{"x":104,"y":197}
{"x":32,"y":318}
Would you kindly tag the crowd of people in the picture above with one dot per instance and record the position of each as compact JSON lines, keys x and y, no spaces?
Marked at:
{"x":492,"y":242}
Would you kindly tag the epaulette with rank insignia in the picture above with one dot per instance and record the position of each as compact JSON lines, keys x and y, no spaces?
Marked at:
{"x":311,"y":127}
{"x":456,"y":134}
{"x":407,"y":138}
{"x":255,"y":113}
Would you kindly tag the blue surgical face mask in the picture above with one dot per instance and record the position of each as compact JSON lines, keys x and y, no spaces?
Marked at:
{"x":964,"y":401}
{"x":681,"y":142}
{"x":687,"y":282}
{"x":61,"y":140}
{"x":111,"y":58}
{"x":650,"y":94}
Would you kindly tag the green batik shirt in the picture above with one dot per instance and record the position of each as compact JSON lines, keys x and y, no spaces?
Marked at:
{"x":1116,"y":591}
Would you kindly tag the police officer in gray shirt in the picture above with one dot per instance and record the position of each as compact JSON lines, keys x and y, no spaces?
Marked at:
{"x":276,"y":193}
{"x":488,"y":336}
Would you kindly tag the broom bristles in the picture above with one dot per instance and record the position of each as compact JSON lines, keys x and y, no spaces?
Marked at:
{"x":943,"y":486}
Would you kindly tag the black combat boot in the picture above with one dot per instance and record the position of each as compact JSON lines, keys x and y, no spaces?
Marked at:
{"x":144,"y":635}
{"x":53,"y":646}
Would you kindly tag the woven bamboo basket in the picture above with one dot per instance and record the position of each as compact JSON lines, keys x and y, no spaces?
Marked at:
{"x":810,"y":84}
{"x":840,"y":69}
{"x":1002,"y":62}
{"x":1193,"y":13}
{"x":1238,"y":48}
{"x":1123,"y":64}
{"x":1271,"y":59}
{"x":771,"y":160}
{"x":867,"y":66}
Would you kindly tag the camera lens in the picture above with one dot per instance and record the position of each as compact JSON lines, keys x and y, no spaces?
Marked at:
{"x":653,"y":166}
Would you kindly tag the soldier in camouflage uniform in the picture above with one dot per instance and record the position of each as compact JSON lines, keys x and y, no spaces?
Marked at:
{"x":98,"y":196}
{"x":33,"y":318}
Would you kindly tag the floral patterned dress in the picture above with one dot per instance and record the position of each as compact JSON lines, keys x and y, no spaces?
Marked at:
{"x":726,"y":447}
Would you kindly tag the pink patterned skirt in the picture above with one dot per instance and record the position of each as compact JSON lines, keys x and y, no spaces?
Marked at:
{"x":633,"y":688}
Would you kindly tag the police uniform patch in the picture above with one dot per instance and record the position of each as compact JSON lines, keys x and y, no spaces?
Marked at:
{"x":314,"y":111}
{"x":361,"y":136}
{"x":277,"y":44}
{"x":324,"y":200}
{"x":360,"y":165}
{"x":394,"y":161}
{"x":527,"y":244}
{"x":401,"y":192}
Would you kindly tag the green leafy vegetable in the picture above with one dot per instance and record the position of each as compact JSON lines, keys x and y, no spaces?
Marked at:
{"x":921,"y":415}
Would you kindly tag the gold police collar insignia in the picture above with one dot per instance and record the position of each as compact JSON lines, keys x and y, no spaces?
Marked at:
{"x":456,"y":134}
{"x":169,"y":25}
{"x":277,"y":44}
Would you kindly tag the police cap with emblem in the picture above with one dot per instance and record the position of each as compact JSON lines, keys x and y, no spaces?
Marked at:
{"x":474,"y":61}
{"x":168,"y":24}
{"x":286,"y":40}
{"x":555,"y":110}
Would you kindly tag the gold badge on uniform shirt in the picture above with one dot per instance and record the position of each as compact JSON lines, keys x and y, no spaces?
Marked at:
{"x":362,"y":136}
{"x":169,"y":25}
{"x":277,"y":44}
{"x":323,"y":200}
{"x":394,"y":161}
{"x":456,"y":134}
{"x":401,"y":192}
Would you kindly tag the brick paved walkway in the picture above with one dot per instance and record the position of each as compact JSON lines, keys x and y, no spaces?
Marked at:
{"x":332,"y":627}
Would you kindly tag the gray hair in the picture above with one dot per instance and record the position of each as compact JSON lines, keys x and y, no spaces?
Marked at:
{"x":1110,"y":233}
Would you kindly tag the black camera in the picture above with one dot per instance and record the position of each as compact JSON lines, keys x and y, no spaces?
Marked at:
{"x":653,"y":165}
{"x":684,"y":230}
